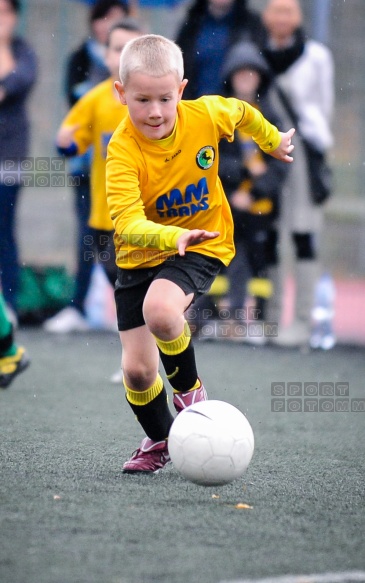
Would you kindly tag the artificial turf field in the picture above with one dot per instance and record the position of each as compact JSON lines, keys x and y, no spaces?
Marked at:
{"x":68,"y":514}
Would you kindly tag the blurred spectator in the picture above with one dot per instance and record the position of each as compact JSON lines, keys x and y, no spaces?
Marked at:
{"x":18,"y":69}
{"x":86,"y":68}
{"x":91,"y":122}
{"x":161,"y":16}
{"x":304,"y":75}
{"x":132,"y":5}
{"x":13,"y":358}
{"x":208,"y":31}
{"x":252,"y":181}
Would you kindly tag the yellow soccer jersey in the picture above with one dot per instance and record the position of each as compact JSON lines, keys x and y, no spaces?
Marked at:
{"x":158,"y":189}
{"x":98,"y":114}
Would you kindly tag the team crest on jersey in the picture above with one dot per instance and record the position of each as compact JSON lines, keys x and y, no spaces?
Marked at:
{"x":205,"y":157}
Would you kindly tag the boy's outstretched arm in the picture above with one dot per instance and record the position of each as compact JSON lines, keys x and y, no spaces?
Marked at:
{"x":267,"y":136}
{"x":285,"y":147}
{"x":194,"y":237}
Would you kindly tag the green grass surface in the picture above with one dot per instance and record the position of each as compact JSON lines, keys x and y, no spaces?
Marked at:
{"x":65,"y":431}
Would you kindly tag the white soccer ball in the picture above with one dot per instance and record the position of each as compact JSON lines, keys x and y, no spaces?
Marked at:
{"x":211,"y":443}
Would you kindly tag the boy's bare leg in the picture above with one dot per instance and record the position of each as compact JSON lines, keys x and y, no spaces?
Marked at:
{"x":164,"y":307}
{"x":145,"y":392}
{"x":140,"y":358}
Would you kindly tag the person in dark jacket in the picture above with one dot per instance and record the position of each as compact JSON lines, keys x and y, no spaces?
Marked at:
{"x":18,"y":70}
{"x":86,"y":66}
{"x":209,"y":30}
{"x":252,"y":181}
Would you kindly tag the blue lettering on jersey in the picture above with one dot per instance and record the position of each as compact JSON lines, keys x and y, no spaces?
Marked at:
{"x":167,"y":201}
{"x":175,"y":204}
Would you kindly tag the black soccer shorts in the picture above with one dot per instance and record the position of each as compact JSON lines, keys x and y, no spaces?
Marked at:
{"x":193,"y":273}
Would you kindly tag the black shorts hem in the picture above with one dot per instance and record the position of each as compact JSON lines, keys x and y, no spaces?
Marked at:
{"x":193,"y":273}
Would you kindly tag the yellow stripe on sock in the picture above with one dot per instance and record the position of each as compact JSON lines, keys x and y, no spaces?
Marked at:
{"x":144,"y":397}
{"x":14,"y":358}
{"x":220,"y":286}
{"x":173,"y":374}
{"x":172,"y":347}
{"x":196,"y":386}
{"x":260,"y":287}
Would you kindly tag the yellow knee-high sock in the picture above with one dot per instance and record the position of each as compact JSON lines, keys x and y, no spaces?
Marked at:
{"x":151,"y":409}
{"x":178,"y":358}
{"x":144,"y":397}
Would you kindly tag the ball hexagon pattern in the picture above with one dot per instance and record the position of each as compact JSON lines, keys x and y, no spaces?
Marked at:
{"x":211,"y":443}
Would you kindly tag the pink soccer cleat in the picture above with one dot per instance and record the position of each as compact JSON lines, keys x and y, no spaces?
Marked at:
{"x":150,"y":457}
{"x":183,"y":400}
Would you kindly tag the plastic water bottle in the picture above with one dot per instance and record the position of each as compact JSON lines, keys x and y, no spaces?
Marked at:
{"x":322,"y":335}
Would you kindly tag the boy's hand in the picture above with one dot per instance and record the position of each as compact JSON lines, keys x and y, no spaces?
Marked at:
{"x":193,"y":238}
{"x":65,"y":136}
{"x":285,"y":148}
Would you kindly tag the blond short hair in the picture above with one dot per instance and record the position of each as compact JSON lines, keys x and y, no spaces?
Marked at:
{"x":153,"y":55}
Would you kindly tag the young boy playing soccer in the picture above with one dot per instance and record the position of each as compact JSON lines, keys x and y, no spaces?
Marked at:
{"x":173,"y":226}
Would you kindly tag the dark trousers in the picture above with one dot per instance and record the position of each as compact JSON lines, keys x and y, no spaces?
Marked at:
{"x":252,"y":238}
{"x":102,"y":251}
{"x":93,"y":246}
{"x":83,"y":265}
{"x":9,"y":260}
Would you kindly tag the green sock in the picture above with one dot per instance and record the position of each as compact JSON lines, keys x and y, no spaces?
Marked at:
{"x":7,"y":345}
